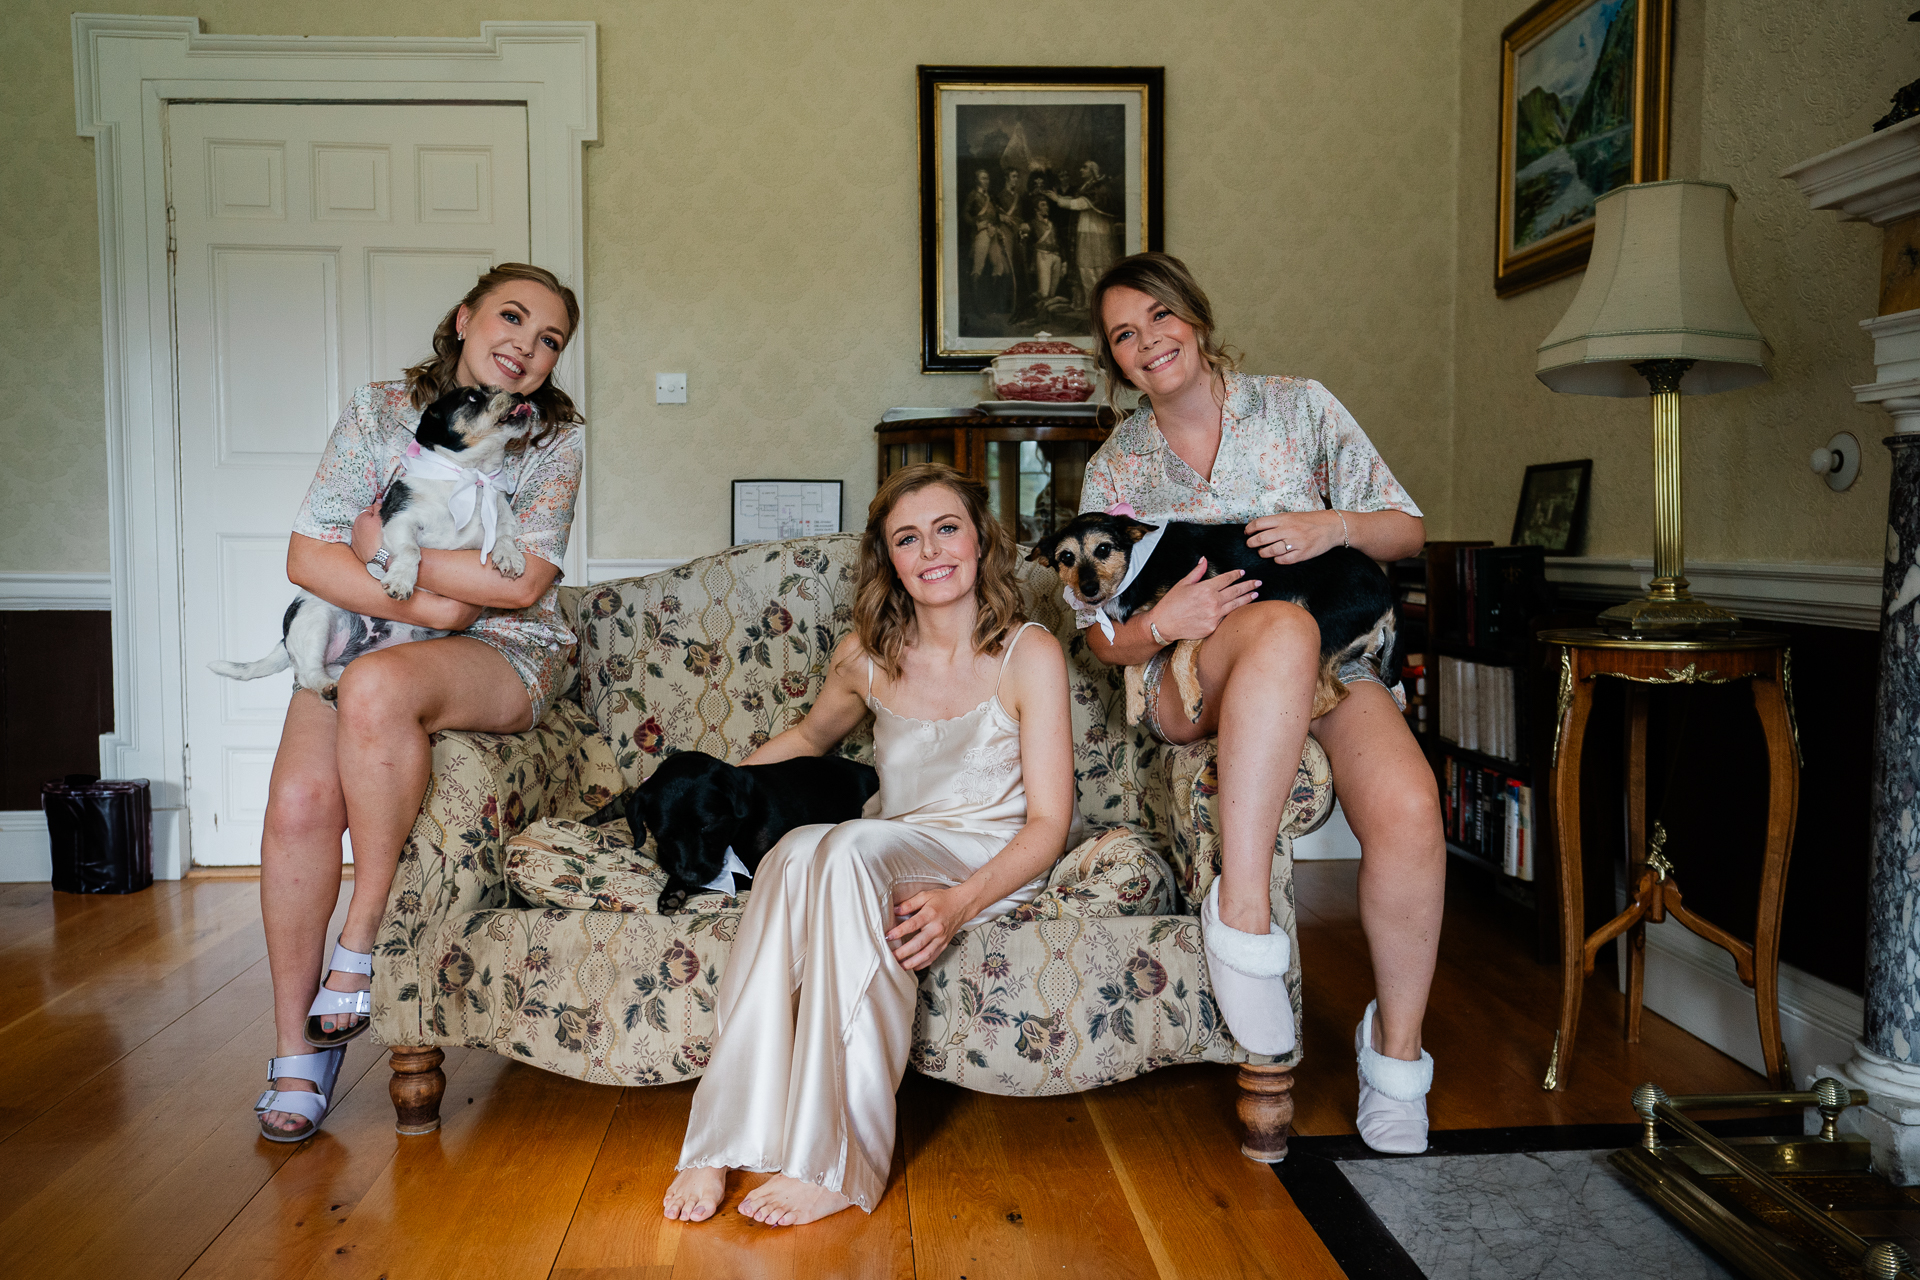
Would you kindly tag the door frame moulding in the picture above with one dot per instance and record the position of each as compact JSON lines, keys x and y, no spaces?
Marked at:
{"x":126,"y":70}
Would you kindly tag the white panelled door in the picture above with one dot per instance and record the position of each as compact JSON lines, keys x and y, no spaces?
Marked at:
{"x":317,"y":247}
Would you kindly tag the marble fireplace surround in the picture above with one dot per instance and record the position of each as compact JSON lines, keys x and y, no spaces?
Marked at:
{"x":1876,"y":179}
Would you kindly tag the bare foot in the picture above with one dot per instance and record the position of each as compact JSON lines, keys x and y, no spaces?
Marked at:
{"x":695,"y":1194}
{"x":781,"y":1201}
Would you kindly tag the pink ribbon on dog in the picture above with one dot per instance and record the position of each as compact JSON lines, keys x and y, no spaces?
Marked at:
{"x":1121,"y":509}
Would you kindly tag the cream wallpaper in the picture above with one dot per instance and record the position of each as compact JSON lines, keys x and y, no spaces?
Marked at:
{"x":1759,"y":85}
{"x":753,"y":219}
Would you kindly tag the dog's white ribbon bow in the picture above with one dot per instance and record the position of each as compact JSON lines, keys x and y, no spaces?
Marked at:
{"x":469,"y":487}
{"x":723,"y":883}
{"x":1102,"y":614}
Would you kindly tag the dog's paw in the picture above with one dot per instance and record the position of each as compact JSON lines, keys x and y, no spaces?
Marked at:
{"x":508,"y":560}
{"x":1136,"y":692}
{"x":330,"y":692}
{"x":399,"y":582}
{"x":670,"y":902}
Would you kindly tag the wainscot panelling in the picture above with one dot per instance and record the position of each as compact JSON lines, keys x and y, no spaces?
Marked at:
{"x":56,"y":699}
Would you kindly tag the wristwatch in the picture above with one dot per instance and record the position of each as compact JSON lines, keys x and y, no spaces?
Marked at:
{"x":378,"y":565}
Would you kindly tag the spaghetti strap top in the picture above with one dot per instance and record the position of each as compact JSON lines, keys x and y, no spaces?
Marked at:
{"x":962,"y":773}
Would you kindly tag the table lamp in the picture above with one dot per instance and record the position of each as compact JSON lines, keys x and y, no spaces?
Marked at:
{"x":1658,"y":314}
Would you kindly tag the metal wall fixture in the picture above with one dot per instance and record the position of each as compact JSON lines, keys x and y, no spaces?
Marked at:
{"x":1838,"y":460}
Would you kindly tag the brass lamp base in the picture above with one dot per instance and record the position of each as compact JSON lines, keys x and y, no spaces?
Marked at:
{"x":1668,"y":611}
{"x":1667,"y":615}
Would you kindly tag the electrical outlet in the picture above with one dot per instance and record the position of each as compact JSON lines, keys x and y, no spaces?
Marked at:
{"x":669,"y":388}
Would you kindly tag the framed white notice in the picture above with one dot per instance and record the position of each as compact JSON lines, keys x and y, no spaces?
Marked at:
{"x":766,"y":510}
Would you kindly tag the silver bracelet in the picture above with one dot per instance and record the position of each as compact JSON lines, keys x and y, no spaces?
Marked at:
{"x":1346,"y":538}
{"x":1153,"y":629}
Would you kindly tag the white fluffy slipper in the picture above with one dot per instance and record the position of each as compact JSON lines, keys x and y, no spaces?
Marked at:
{"x":1393,"y":1095}
{"x":1248,"y":972}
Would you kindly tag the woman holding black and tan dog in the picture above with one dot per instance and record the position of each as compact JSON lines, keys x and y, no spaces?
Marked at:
{"x":972,"y":740}
{"x":363,"y":764}
{"x":1285,"y":458}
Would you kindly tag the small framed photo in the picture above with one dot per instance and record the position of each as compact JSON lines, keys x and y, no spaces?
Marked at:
{"x":1553,"y":507}
{"x":1033,"y":181}
{"x":1585,"y":89}
{"x":768,"y":510}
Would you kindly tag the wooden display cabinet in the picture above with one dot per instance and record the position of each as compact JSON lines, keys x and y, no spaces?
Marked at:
{"x":1032,"y":464}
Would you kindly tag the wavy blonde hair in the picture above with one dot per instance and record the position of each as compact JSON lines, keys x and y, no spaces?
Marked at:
{"x":883,"y":614}
{"x":1166,"y":280}
{"x":437,"y":374}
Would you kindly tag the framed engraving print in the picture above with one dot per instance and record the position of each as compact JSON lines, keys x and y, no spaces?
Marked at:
{"x":1033,"y":180}
{"x":1584,"y":103}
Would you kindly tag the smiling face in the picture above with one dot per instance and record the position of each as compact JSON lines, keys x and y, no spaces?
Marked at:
{"x":1156,"y":351}
{"x":511,"y":338}
{"x":934,"y":548}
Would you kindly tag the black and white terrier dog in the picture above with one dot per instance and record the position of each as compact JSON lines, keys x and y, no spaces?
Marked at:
{"x":451,"y":498}
{"x":1346,"y":593}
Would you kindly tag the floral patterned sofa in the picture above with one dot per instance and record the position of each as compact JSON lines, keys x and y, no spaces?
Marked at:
{"x":516,"y":927}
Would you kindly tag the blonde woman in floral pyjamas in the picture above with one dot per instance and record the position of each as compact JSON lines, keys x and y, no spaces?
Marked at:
{"x":1285,"y":458}
{"x":363,"y":764}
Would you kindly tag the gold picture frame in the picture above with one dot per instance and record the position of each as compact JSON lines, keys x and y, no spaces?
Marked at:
{"x":1585,"y":102}
{"x":1032,"y":180}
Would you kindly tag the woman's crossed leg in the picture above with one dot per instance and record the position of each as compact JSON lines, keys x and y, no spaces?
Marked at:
{"x":363,"y":766}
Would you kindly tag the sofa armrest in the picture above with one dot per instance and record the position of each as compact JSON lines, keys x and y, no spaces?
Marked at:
{"x":484,"y":790}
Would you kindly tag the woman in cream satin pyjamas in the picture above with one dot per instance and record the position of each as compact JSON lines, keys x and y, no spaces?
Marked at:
{"x":972,"y":740}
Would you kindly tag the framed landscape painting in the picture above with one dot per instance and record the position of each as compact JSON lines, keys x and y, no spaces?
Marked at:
{"x":1584,"y":101}
{"x":1033,"y":180}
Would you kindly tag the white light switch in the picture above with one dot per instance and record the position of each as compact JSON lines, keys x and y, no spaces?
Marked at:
{"x":669,"y":388}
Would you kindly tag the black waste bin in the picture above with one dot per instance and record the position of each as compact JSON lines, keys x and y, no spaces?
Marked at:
{"x":102,"y":833}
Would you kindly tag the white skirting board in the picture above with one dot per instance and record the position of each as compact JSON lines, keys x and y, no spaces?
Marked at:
{"x":1333,"y":842}
{"x":26,"y":857}
{"x":1692,"y":984}
{"x":24,"y":852}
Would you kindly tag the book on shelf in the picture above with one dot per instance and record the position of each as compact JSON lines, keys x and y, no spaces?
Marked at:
{"x":1479,"y":707}
{"x":1489,"y":816}
{"x":1413,"y":686}
{"x":1482,"y":596}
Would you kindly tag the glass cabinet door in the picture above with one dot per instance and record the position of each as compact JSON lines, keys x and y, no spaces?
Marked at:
{"x":1033,"y":486}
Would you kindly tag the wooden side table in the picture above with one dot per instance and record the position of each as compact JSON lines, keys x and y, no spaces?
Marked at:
{"x":1590,"y":655}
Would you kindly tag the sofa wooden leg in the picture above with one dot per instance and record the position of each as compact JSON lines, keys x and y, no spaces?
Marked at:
{"x":1265,"y":1107}
{"x":417,"y":1085}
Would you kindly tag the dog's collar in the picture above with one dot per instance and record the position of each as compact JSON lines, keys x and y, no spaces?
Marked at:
{"x":723,"y":883}
{"x":464,"y":501}
{"x":1136,"y":561}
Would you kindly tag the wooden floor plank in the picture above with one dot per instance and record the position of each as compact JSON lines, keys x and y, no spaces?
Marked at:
{"x":112,"y":1012}
{"x":145,"y":1206}
{"x":141,"y":1022}
{"x":487,"y":1196}
{"x":1490,"y":1023}
{"x":618,"y":1227}
{"x":282,"y":1229}
{"x":986,"y":1195}
{"x":1215,"y":1212}
{"x":79,"y":938}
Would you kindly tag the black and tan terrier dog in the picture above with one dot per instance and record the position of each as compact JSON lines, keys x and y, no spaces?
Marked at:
{"x":1346,"y":592}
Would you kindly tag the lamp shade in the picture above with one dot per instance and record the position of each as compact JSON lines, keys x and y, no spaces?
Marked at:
{"x":1659,"y":286}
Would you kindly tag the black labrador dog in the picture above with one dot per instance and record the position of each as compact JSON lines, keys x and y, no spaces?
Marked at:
{"x":697,"y":807}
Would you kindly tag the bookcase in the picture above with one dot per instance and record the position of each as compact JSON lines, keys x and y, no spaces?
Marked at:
{"x":1481,"y":702}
